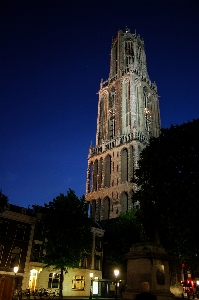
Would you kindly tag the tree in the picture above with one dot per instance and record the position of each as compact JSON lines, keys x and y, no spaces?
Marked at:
{"x":120,"y":234}
{"x":3,"y":201}
{"x":168,"y":181}
{"x":67,"y":232}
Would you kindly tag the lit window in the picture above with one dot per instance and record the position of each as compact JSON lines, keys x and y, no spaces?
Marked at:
{"x":53,"y":281}
{"x":78,"y":283}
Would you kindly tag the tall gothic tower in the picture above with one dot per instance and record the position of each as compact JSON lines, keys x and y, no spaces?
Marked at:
{"x":128,"y":114}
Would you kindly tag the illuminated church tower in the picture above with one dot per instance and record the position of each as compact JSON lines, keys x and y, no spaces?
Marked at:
{"x":128,"y":114}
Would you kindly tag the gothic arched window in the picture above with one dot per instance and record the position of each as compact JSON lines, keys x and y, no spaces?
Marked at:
{"x":102,"y":118}
{"x":126,"y":120}
{"x":93,"y":210}
{"x":111,"y":103}
{"x":111,"y":118}
{"x":132,"y":158}
{"x":124,"y":165}
{"x":90,"y":177}
{"x":107,"y":171}
{"x":100,"y":173}
{"x":106,"y":204}
{"x":95,"y":173}
{"x":129,"y":52}
{"x":147,"y":109}
{"x":99,"y":210}
{"x":124,"y":202}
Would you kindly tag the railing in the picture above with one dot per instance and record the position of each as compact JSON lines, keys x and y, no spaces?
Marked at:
{"x":125,"y":71}
{"x":119,"y":140}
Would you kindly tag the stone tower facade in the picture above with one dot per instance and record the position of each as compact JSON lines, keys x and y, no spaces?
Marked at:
{"x":128,"y":114}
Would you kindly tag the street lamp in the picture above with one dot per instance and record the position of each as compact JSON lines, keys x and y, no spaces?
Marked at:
{"x":15,"y":271}
{"x":91,"y":294}
{"x":116,"y":273}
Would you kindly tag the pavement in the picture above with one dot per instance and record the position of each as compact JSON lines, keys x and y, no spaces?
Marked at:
{"x":70,"y":298}
{"x":79,"y":298}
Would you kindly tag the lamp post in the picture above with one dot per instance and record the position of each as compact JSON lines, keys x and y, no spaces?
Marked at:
{"x":15,"y":271}
{"x":116,"y":273}
{"x":91,"y":292}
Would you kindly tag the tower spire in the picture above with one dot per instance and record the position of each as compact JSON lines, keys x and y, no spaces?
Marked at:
{"x":128,"y":114}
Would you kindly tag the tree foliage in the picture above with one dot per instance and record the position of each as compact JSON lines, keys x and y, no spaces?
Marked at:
{"x":168,"y":181}
{"x":67,"y":232}
{"x":3,"y":201}
{"x":120,"y":234}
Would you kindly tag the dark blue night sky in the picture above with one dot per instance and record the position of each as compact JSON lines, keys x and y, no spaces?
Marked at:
{"x":53,"y":56}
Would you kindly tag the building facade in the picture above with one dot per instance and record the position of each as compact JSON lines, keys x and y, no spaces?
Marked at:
{"x":16,"y":235}
{"x":21,"y":239}
{"x":128,"y":115}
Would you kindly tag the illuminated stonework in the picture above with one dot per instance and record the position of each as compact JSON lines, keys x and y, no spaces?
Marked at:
{"x":128,"y":114}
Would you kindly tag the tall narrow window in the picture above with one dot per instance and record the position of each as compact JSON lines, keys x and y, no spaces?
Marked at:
{"x":100,"y":173}
{"x":124,"y":202}
{"x":138,"y":105}
{"x":129,"y":52}
{"x":139,"y":54}
{"x":131,"y":164}
{"x":147,"y":110}
{"x":124,"y":165}
{"x":126,"y":121}
{"x":98,"y":243}
{"x":114,"y":60}
{"x":95,"y":173}
{"x":15,"y":257}
{"x":90,"y":187}
{"x":106,"y":204}
{"x":102,"y":117}
{"x":93,"y":209}
{"x":111,"y":103}
{"x":107,"y":171}
{"x":99,"y":209}
{"x":97,"y":262}
{"x":111,"y":127}
{"x":111,"y":120}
